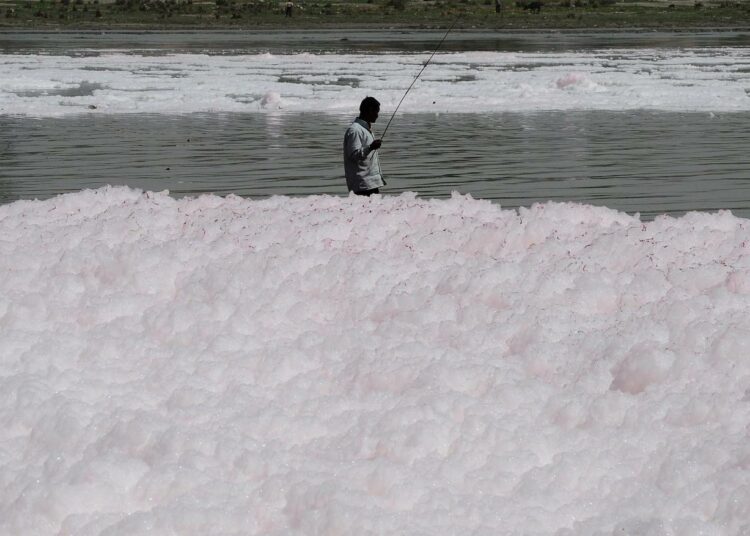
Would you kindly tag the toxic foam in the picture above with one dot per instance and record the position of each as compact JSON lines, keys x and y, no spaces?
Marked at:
{"x":390,"y":365}
{"x":705,"y":79}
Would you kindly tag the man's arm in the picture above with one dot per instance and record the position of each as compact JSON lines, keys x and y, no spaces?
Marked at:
{"x":355,"y":149}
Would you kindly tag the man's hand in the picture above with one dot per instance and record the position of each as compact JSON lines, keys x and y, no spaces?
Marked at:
{"x":375,"y":145}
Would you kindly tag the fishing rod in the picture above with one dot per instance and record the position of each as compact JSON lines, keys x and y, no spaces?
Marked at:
{"x":418,"y":75}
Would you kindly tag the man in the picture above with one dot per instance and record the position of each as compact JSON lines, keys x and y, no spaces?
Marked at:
{"x":361,"y":163}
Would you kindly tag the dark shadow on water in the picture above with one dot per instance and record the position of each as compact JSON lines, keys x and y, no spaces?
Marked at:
{"x":352,"y":40}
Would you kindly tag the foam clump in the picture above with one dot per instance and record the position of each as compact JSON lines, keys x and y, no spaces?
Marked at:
{"x":391,"y":365}
{"x":271,"y":100}
{"x":569,"y":80}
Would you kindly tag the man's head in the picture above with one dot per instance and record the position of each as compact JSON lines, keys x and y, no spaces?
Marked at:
{"x":369,"y":109}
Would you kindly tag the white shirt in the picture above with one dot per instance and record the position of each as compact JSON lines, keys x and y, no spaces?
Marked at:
{"x":361,"y":165}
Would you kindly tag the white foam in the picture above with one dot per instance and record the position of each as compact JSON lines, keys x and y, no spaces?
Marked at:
{"x":388,"y":365}
{"x":705,"y":79}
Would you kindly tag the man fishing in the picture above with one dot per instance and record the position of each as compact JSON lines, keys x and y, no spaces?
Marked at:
{"x":361,"y":163}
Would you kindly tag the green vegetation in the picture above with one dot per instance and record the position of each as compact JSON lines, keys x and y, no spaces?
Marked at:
{"x":508,"y":14}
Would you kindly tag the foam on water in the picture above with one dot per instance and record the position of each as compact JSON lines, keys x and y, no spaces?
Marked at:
{"x":391,"y":365}
{"x":705,"y":79}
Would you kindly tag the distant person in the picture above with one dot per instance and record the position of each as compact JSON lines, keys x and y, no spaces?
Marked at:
{"x":498,"y":6}
{"x":361,"y":163}
{"x":289,"y":8}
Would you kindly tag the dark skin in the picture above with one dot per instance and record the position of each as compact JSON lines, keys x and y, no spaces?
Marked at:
{"x":371,"y":116}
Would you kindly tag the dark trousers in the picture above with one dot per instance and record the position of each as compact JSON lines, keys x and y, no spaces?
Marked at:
{"x":368,"y":193}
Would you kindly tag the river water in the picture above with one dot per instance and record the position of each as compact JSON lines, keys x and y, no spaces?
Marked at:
{"x":642,"y":122}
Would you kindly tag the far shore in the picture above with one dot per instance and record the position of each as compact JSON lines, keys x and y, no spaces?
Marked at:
{"x":176,"y":29}
{"x":267,"y":15}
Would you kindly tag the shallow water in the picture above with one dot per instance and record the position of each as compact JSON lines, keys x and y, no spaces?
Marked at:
{"x":644,"y":162}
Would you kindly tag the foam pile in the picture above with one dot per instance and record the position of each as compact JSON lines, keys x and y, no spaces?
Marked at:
{"x":390,"y":365}
{"x":710,"y":79}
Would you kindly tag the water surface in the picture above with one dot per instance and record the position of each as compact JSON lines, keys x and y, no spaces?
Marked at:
{"x":356,"y":40}
{"x":635,"y":159}
{"x":647,"y":162}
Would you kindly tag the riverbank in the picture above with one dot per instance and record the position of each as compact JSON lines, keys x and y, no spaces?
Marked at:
{"x":481,"y":14}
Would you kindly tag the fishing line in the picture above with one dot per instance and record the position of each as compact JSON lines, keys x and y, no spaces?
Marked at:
{"x":418,"y":75}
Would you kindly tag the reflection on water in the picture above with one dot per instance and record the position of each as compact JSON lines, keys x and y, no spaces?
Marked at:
{"x":7,"y":158}
{"x":634,"y":161}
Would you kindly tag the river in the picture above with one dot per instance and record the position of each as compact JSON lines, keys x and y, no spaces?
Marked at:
{"x":653,"y":123}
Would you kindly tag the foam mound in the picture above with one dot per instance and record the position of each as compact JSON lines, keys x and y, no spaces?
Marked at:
{"x":388,"y":365}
